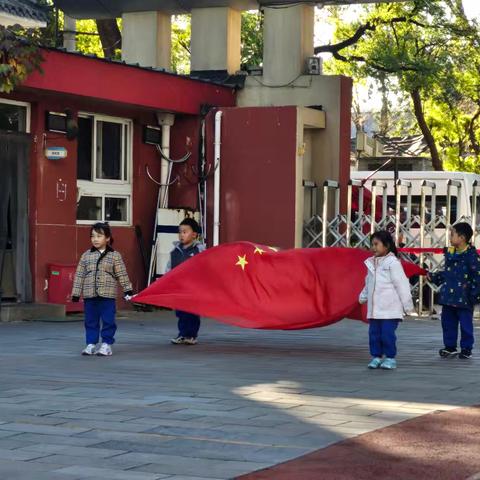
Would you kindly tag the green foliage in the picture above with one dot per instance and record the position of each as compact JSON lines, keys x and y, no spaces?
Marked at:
{"x":426,"y":48}
{"x":19,"y":55}
{"x":88,"y":40}
{"x":252,"y":38}
{"x":181,"y":33}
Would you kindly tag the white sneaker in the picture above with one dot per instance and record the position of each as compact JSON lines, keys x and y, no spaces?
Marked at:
{"x":190,"y":341}
{"x":89,"y":349}
{"x":178,"y":341}
{"x":105,"y":350}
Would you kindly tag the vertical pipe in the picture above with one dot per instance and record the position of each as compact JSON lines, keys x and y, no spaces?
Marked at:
{"x":398,"y":209}
{"x":349,"y":212}
{"x":373,"y":208}
{"x":216,"y":182}
{"x":165,"y":167}
{"x":422,"y":244}
{"x":324,"y":215}
{"x":474,"y":210}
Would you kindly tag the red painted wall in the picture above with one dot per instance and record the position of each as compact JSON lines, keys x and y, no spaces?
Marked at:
{"x":257,"y":184}
{"x":54,"y":235}
{"x":185,"y":138}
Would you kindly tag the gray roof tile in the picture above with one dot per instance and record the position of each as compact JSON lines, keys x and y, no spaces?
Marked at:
{"x":28,"y":9}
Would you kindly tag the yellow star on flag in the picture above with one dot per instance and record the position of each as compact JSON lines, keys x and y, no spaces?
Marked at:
{"x":259,"y":251}
{"x":242,"y":261}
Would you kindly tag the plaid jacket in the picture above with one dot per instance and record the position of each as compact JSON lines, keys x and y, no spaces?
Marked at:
{"x":97,"y":274}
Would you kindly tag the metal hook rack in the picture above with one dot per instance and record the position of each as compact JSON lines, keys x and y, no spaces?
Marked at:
{"x":175,"y":180}
{"x":180,"y":160}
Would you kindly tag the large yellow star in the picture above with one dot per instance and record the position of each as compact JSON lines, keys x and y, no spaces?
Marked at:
{"x":242,"y":261}
{"x":259,"y":251}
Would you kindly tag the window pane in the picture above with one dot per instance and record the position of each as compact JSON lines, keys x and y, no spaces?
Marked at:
{"x":109,"y":150}
{"x":125,"y":152}
{"x":115,"y":209}
{"x":89,"y":208}
{"x":84,"y":148}
{"x":13,"y":118}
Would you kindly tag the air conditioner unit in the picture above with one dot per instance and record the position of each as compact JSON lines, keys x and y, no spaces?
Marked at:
{"x":365,"y":144}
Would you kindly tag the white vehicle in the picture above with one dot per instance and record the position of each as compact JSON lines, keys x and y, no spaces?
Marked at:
{"x":462,"y":188}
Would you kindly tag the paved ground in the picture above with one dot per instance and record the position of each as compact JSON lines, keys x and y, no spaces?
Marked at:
{"x":240,"y":401}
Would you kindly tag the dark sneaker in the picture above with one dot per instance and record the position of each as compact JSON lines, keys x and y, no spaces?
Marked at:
{"x":465,"y":354}
{"x":448,"y":352}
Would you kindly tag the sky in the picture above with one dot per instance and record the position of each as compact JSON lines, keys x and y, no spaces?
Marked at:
{"x":472,"y":8}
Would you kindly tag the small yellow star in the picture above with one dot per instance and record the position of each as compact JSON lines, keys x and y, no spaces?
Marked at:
{"x":259,"y":251}
{"x":273,"y":248}
{"x":242,"y":261}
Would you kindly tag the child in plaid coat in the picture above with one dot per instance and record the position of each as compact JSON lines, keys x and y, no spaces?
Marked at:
{"x":99,"y":270}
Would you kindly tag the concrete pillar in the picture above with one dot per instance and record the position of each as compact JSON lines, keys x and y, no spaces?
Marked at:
{"x":288,"y":41}
{"x":69,"y":40}
{"x":215,"y":41}
{"x":146,"y":39}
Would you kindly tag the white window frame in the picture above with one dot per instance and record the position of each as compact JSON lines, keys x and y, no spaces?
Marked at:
{"x":20,"y":104}
{"x":99,"y":187}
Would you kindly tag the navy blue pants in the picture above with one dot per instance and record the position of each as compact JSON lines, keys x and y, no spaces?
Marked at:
{"x":381,"y":334}
{"x":188,"y":324}
{"x":100,"y":309}
{"x":451,"y":317}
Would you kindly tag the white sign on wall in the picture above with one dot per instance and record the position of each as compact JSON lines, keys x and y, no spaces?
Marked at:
{"x":55,"y":153}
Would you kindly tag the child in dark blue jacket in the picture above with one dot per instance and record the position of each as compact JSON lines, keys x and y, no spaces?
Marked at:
{"x":186,"y":247}
{"x":460,"y":291}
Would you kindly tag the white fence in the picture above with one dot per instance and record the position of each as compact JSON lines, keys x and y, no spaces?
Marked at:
{"x":425,"y":225}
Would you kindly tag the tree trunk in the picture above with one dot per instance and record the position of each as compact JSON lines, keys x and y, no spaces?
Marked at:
{"x":110,"y":36}
{"x":384,"y":112}
{"x":471,"y":133}
{"x":420,"y":116}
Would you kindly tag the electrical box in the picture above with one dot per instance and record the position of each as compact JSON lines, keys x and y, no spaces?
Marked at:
{"x":60,"y":283}
{"x":314,"y":66}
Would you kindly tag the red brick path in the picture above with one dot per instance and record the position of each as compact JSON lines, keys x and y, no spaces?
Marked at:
{"x":438,"y":446}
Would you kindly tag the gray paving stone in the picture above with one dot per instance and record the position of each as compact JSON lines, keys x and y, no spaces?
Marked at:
{"x":92,"y":472}
{"x":44,"y":429}
{"x":6,"y":454}
{"x":12,"y":470}
{"x":238,"y":401}
{"x":185,"y":477}
{"x":76,"y":451}
{"x":204,"y":467}
{"x":36,"y":438}
{"x":120,"y":462}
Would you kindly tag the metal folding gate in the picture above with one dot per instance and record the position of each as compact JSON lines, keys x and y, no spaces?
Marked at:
{"x":427,"y":228}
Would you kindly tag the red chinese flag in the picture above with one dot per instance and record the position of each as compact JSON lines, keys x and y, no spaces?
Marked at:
{"x":254,"y":286}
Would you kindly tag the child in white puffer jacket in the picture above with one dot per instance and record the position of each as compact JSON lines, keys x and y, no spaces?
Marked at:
{"x":387,"y":293}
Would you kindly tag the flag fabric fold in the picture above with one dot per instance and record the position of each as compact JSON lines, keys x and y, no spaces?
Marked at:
{"x":256,"y":286}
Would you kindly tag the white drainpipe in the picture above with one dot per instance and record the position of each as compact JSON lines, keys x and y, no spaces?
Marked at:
{"x":216,"y":182}
{"x":165,"y":120}
{"x":165,"y":166}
